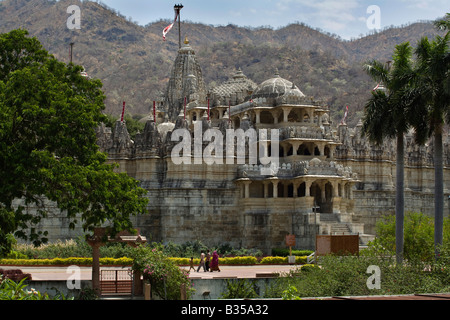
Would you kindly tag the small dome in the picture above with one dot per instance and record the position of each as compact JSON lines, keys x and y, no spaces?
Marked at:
{"x":275,"y":87}
{"x":164,"y":128}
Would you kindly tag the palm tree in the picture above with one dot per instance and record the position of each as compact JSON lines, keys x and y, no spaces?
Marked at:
{"x":430,"y":109}
{"x":385,"y":116}
{"x":443,"y":24}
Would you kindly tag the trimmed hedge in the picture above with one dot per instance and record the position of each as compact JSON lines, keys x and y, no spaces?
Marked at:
{"x":246,"y":260}
{"x":284,"y":252}
{"x":282,"y":260}
{"x":66,"y":261}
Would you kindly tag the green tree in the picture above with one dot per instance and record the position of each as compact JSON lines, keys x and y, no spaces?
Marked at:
{"x":419,"y":243}
{"x":132,"y":122}
{"x":430,"y":110}
{"x":443,"y":24}
{"x":385,"y":116}
{"x":48,"y":149}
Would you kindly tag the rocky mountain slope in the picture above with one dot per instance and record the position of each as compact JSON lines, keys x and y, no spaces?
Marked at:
{"x":134,"y":62}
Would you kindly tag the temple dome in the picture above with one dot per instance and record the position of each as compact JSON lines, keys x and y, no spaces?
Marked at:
{"x":276,"y":87}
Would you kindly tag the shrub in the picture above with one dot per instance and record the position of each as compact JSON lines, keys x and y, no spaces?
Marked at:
{"x":238,"y":260}
{"x":165,"y":277}
{"x":284,"y":252}
{"x":68,"y":249}
{"x":347,"y":276}
{"x":274,"y":260}
{"x":183,"y":261}
{"x":418,"y":236}
{"x":282,"y":260}
{"x":239,"y":289}
{"x":12,"y":290}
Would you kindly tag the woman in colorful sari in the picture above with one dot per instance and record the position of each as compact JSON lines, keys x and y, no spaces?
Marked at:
{"x":214,"y":265}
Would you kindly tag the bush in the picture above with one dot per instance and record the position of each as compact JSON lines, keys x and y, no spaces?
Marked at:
{"x":238,"y":260}
{"x":12,"y":290}
{"x":165,"y":277}
{"x":284,"y":252}
{"x":274,"y":260}
{"x":239,"y":289}
{"x":418,"y":236}
{"x":347,"y":276}
{"x":283,"y":260}
{"x":68,"y":249}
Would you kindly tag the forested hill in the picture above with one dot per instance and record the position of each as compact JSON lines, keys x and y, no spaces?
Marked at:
{"x":134,"y":62}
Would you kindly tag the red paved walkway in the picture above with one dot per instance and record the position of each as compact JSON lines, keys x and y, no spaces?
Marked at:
{"x":45,"y":273}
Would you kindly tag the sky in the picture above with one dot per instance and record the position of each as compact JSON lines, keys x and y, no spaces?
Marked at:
{"x":345,"y":18}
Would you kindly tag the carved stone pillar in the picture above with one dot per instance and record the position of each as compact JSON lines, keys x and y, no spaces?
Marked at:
{"x":275,"y":188}
{"x":308,"y":188}
{"x":286,"y":111}
{"x":266,"y":189}
{"x":247,"y":188}
{"x":258,"y":116}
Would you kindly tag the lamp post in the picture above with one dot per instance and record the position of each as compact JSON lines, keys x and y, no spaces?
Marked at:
{"x":315,"y":208}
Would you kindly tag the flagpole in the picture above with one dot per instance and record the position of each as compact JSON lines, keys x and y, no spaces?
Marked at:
{"x":177,"y":9}
{"x":154,"y":111}
{"x":229,"y":111}
{"x":207,"y":97}
{"x":123,"y":111}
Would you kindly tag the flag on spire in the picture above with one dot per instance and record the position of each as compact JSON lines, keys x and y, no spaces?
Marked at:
{"x":167,"y":29}
{"x":345,"y":115}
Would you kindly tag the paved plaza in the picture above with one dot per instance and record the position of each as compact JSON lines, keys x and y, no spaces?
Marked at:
{"x":48,"y":273}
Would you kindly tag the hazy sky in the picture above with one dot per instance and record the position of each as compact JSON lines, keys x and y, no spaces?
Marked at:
{"x":346,"y":18}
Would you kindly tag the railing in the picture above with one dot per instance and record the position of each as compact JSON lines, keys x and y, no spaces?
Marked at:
{"x":299,"y":168}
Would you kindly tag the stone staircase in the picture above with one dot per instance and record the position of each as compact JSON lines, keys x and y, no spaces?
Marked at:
{"x":336,"y":226}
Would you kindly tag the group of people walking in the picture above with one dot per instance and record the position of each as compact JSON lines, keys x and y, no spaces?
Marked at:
{"x":208,"y":262}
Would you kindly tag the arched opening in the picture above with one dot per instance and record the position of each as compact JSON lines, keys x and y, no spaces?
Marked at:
{"x":316,"y":151}
{"x":281,"y":151}
{"x":303,"y":150}
{"x":290,"y":151}
{"x":316,"y":193}
{"x":327,"y":152}
{"x":266,"y":117}
{"x":301,"y":190}
{"x":293,"y":116}
{"x":327,"y":203}
{"x":237,"y":123}
{"x":306,"y":117}
{"x":290,"y":190}
{"x":256,"y":189}
{"x":323,"y":196}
